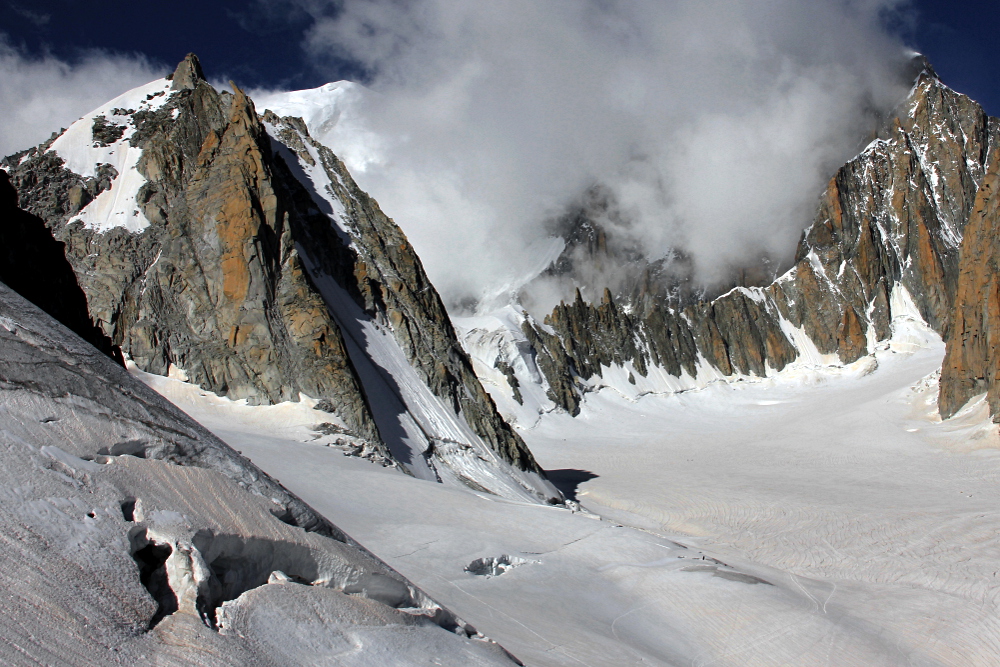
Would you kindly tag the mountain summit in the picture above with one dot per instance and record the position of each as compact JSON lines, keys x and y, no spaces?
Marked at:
{"x":235,"y":251}
{"x":808,"y":501}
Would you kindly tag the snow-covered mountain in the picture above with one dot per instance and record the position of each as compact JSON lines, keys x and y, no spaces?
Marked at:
{"x":766,"y":476}
{"x":240,"y":254}
{"x":885,"y":244}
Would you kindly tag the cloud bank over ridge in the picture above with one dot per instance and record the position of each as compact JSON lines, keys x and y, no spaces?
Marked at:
{"x":39,"y":95}
{"x":714,"y":123}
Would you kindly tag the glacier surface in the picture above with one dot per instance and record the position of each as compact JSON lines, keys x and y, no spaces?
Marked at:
{"x":823,"y":516}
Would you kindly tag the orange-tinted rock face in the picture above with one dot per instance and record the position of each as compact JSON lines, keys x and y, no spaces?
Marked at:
{"x":851,"y":341}
{"x":227,"y":298}
{"x":216,"y":284}
{"x":972,"y":360}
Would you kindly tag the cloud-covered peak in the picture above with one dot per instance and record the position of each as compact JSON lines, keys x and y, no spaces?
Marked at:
{"x":715,"y":124}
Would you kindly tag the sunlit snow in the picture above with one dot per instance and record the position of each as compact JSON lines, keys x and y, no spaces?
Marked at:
{"x":823,"y":516}
{"x":115,"y":207}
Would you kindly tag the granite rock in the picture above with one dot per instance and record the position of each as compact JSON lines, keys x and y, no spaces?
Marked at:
{"x":972,"y":358}
{"x":218,"y":284}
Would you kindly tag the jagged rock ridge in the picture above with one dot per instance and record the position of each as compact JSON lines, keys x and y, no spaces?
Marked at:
{"x":885,"y":239}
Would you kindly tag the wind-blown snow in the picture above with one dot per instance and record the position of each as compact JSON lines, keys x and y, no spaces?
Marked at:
{"x":332,"y":113}
{"x":492,"y":120}
{"x":115,"y":207}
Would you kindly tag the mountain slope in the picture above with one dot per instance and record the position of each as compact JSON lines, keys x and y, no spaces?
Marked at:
{"x":43,"y":275}
{"x":205,"y":250}
{"x":131,"y":535}
{"x":972,"y":359}
{"x":885,"y":242}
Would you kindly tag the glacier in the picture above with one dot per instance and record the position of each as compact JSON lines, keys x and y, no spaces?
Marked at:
{"x":811,"y":518}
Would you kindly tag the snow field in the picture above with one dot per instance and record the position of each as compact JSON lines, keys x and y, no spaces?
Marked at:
{"x":841,"y":524}
{"x":852,"y":481}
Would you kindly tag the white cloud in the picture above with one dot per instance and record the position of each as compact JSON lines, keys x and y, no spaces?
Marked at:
{"x":41,"y":95}
{"x":715,"y":122}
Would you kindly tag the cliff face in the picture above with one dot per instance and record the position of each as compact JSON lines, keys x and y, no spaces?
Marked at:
{"x":202,"y":243}
{"x":375,"y":264}
{"x":885,"y":238}
{"x":212,"y":284}
{"x":43,"y":276}
{"x":972,"y":358}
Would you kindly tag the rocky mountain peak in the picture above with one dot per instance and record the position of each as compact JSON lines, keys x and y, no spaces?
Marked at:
{"x":252,"y":264}
{"x":884,"y":245}
{"x":188,"y":73}
{"x":920,"y":67}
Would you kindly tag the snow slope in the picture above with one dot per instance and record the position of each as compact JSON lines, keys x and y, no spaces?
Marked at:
{"x":420,"y":429}
{"x":130,"y":535}
{"x":495,"y":337}
{"x":841,"y":523}
{"x":848,"y":480}
{"x":334,"y":114}
{"x":115,"y":207}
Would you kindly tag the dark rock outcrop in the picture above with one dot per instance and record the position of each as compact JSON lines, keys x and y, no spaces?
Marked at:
{"x":42,"y":274}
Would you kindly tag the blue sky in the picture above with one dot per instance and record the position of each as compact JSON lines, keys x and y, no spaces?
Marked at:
{"x":258,"y":44}
{"x":962,"y":40}
{"x":261,"y":44}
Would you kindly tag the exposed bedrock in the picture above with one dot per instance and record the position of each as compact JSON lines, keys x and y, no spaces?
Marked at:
{"x":376,"y":265}
{"x":885,"y":238}
{"x":213,"y":285}
{"x":217,"y":284}
{"x":34,"y":265}
{"x":972,"y":359}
